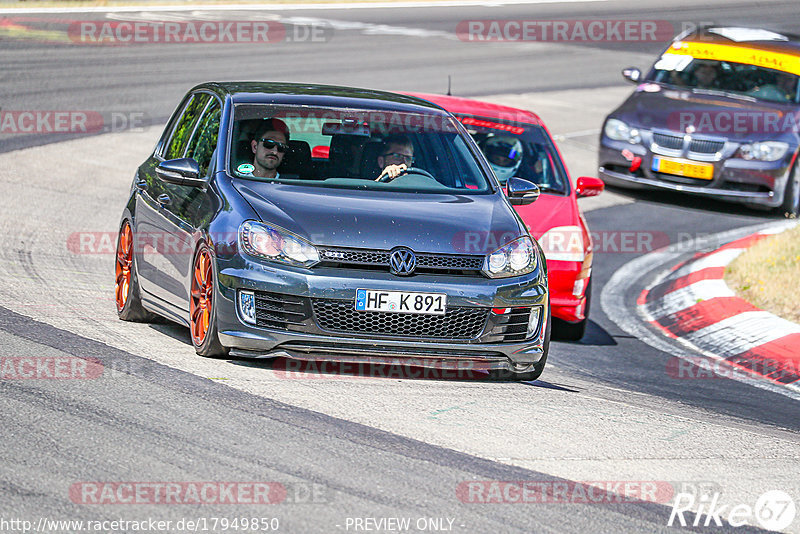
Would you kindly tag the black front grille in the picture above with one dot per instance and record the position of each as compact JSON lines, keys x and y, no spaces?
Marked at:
{"x":379,"y":259}
{"x":354,"y":256}
{"x":462,"y":263}
{"x":668,"y":141}
{"x":286,"y":312}
{"x":340,"y":316}
{"x":705,"y":146}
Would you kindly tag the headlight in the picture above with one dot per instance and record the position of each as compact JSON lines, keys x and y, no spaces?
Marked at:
{"x":620,"y":131}
{"x":764,"y":151}
{"x":563,"y":243}
{"x":513,"y":259}
{"x":276,"y":244}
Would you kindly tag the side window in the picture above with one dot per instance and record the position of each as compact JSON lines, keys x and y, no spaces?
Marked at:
{"x":204,"y":141}
{"x":185,"y":126}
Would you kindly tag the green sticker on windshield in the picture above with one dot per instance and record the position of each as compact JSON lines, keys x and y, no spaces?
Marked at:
{"x":245,"y":168}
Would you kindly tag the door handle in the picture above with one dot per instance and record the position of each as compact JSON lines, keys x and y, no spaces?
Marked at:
{"x":141,"y":184}
{"x":164,"y":200}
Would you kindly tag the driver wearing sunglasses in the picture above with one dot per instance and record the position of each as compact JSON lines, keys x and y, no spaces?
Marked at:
{"x":396,"y":157}
{"x":269,"y":147}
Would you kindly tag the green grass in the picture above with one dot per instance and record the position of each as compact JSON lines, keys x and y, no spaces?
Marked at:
{"x":768,"y":274}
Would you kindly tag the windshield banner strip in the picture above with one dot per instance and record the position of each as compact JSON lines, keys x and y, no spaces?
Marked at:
{"x":736,"y":54}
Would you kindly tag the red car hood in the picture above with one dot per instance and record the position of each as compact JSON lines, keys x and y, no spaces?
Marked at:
{"x":548,"y":212}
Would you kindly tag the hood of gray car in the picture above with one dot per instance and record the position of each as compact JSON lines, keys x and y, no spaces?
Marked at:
{"x":709,"y":114}
{"x":383,"y":220}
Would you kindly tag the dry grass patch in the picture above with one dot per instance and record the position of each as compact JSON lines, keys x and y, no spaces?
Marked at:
{"x":768,"y":274}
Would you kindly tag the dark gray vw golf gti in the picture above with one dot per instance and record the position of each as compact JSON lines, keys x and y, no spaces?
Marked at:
{"x":319,"y":222}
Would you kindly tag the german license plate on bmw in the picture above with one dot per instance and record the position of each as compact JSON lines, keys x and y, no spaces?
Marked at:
{"x":682,"y":167}
{"x":401,"y":302}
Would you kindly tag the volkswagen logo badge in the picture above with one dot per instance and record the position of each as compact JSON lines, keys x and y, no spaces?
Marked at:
{"x":402,"y":261}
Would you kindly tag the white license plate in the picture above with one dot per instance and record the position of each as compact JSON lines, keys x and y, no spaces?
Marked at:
{"x":401,"y":302}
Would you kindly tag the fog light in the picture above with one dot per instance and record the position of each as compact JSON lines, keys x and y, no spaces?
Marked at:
{"x":247,"y":306}
{"x":533,"y":320}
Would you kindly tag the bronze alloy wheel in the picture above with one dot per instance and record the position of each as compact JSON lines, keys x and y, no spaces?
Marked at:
{"x":202,"y":307}
{"x":127,"y":296}
{"x":122,"y":288}
{"x":202,"y":297}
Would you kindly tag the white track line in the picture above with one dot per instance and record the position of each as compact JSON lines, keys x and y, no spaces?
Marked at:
{"x":287,"y":7}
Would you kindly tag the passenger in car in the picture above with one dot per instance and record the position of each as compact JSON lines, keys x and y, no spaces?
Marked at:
{"x":788,"y":85}
{"x":397,"y":156}
{"x":706,"y":75}
{"x":269,"y":146}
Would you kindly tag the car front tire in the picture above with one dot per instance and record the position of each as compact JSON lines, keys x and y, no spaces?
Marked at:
{"x":203,"y":306}
{"x":791,"y":195}
{"x":538,"y":368}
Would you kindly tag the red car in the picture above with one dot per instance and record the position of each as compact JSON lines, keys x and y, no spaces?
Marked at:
{"x":517,"y":143}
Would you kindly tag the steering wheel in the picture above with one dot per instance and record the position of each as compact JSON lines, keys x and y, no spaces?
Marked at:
{"x":383,"y":178}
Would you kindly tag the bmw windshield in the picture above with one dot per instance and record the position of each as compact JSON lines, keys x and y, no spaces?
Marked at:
{"x":736,"y":79}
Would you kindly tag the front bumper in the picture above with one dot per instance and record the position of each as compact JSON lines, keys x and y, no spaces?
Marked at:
{"x":734,"y":179}
{"x":309,"y":340}
{"x":564,"y":303}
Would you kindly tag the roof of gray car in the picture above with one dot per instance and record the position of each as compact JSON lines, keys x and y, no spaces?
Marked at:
{"x":318,"y":95}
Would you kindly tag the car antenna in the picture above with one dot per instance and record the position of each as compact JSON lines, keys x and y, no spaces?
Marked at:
{"x":448,"y":86}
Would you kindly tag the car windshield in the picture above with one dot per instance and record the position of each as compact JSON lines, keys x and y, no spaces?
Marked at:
{"x":519,"y":149}
{"x":349,"y":147}
{"x":725,"y":76}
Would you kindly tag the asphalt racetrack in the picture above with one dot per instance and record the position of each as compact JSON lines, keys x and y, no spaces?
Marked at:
{"x":341,"y":452}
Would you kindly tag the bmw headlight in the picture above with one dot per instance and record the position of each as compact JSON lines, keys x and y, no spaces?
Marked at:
{"x":763,"y":151}
{"x":276,"y":244}
{"x":513,"y":259}
{"x":620,"y":131}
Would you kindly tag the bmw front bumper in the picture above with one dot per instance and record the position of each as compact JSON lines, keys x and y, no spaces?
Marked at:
{"x":734,"y":179}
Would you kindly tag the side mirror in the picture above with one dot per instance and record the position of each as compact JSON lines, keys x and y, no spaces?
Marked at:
{"x":632,"y":74}
{"x":184,"y":171}
{"x":589,"y":186}
{"x":521,"y":192}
